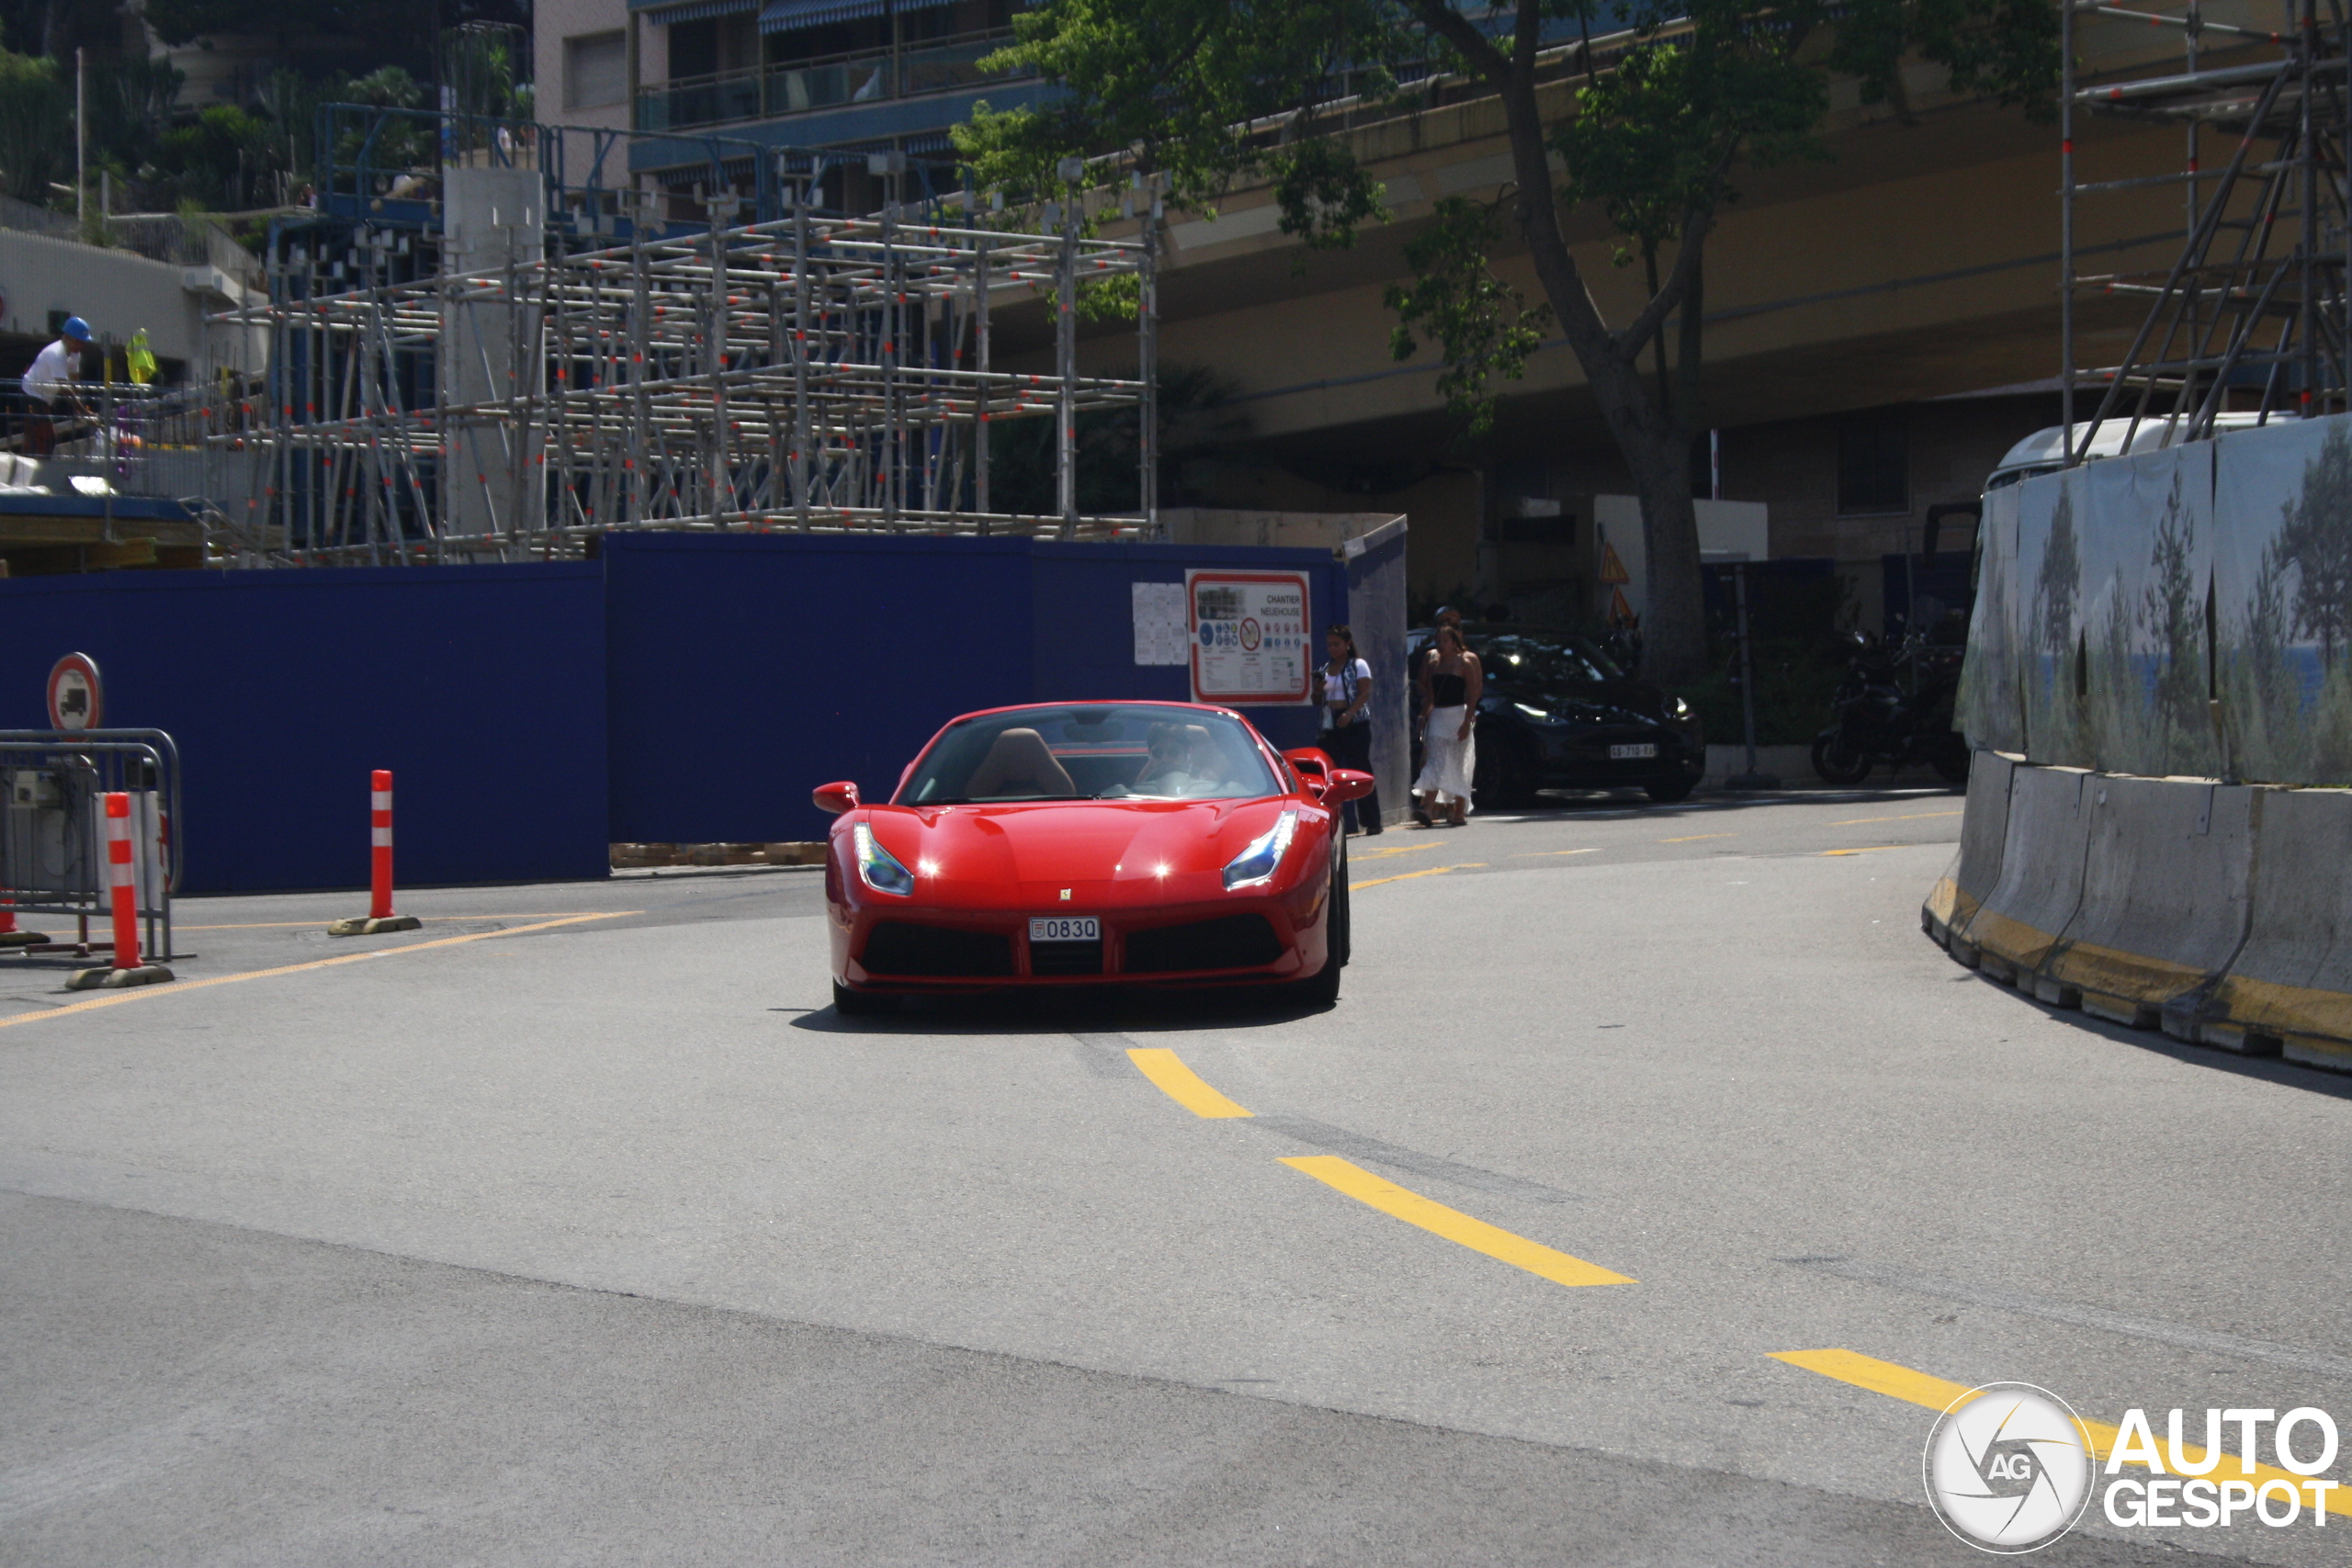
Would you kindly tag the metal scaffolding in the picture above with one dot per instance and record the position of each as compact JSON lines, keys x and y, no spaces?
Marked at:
{"x":512,"y":397}
{"x":2255,"y":304}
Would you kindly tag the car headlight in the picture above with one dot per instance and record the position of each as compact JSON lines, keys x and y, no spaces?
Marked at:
{"x":877,"y":867}
{"x":1257,"y":862}
{"x":1540,"y":715}
{"x":1677,"y":708}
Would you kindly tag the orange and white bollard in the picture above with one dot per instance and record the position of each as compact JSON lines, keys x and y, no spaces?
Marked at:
{"x":122,"y":888}
{"x":9,"y":935}
{"x":379,"y":916}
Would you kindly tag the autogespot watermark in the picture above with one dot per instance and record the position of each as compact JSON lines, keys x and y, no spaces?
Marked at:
{"x":2010,"y":1468}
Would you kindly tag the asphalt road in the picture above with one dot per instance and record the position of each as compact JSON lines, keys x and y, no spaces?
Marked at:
{"x":576,"y":1228}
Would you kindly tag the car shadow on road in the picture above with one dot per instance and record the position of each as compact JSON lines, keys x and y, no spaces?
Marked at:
{"x":2268,"y":1069}
{"x":1109,"y":1011}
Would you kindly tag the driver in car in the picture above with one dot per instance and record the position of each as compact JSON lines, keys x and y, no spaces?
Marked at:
{"x":1184,"y":759}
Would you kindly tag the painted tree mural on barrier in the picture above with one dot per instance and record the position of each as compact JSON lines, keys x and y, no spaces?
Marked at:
{"x":2286,"y":674}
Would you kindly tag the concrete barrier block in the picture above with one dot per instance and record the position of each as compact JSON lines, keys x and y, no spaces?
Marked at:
{"x":2044,"y":838}
{"x":2164,"y":907}
{"x":1976,"y":870}
{"x":2291,"y":980}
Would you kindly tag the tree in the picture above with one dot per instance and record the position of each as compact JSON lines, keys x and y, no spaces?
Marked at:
{"x":2315,"y":538}
{"x":1204,"y":93}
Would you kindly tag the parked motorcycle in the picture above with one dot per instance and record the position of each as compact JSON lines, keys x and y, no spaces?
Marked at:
{"x":1893,"y":706}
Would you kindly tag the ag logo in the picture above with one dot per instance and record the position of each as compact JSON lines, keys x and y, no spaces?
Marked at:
{"x":2009,"y":1468}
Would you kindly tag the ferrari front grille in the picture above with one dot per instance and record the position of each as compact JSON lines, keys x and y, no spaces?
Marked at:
{"x":1229,"y":941}
{"x":900,"y":947}
{"x":1066,"y":958}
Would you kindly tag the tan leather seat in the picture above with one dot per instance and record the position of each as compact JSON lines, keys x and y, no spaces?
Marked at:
{"x":1019,"y":762}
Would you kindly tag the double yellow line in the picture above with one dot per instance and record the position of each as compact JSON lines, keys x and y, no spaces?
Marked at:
{"x":1187,"y":1089}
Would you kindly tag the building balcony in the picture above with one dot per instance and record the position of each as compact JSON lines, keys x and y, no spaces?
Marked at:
{"x":943,"y":65}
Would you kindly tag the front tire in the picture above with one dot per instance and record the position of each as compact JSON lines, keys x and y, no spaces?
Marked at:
{"x":1322,"y":990}
{"x":1665,"y":792}
{"x":860,"y":1004}
{"x":1835,"y":761}
{"x":1508,"y":775}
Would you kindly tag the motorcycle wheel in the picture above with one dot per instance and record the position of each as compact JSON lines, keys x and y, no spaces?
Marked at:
{"x":1950,"y":761}
{"x":1836,"y":762}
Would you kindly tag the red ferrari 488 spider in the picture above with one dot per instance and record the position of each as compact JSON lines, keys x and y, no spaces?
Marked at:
{"x":1091,"y":844}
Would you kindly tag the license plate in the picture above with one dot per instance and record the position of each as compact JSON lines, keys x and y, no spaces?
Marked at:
{"x":1065,"y":928}
{"x":1633,"y":754}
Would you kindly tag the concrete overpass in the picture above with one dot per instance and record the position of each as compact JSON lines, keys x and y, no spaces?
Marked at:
{"x":1917,"y":264}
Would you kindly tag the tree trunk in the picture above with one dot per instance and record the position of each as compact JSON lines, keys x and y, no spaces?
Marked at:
{"x":1650,"y":437}
{"x":1644,"y":421}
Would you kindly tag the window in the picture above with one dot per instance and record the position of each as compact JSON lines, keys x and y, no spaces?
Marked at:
{"x":1091,"y":753}
{"x":595,"y":69}
{"x":1874,"y":463}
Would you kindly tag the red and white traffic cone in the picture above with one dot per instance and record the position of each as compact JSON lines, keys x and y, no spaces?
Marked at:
{"x":9,"y":935}
{"x":379,"y":916}
{"x":124,"y":889}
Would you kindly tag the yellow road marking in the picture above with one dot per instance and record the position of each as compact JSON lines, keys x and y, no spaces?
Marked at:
{"x":1905,"y":816}
{"x":1695,"y":838}
{"x":1940,"y":1393}
{"x":1408,"y":876}
{"x":1396,"y":850}
{"x":142,"y":993}
{"x":1873,"y":849}
{"x":1453,"y":1225}
{"x":1532,"y":854}
{"x":274,"y":925}
{"x":1180,"y":1083}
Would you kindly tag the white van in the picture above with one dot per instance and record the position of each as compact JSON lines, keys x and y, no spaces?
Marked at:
{"x":2044,"y":452}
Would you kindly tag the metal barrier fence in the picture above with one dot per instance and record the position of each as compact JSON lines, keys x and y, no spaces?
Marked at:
{"x":53,"y":828}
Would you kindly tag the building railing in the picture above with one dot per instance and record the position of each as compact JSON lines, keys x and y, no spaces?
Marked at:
{"x":936,"y":66}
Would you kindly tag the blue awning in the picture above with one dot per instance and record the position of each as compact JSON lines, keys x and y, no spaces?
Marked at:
{"x":791,"y":15}
{"x":670,"y":12}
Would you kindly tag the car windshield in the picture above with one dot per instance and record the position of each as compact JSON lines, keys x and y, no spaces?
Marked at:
{"x":1550,"y":658}
{"x":1094,"y":752}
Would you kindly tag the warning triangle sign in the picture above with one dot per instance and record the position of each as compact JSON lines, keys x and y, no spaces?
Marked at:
{"x":1612,"y":569}
{"x":1620,"y":613}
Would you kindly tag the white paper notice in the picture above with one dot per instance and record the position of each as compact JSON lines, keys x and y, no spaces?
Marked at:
{"x":1163,"y":631}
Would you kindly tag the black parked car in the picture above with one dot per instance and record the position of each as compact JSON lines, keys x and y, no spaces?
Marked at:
{"x":1556,"y":712}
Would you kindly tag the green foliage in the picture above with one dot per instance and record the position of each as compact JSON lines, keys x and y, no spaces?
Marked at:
{"x":1485,"y":327}
{"x":1186,"y":86}
{"x":1653,"y":142}
{"x":34,"y":101}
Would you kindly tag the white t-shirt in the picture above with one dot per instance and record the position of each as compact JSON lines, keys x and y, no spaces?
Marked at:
{"x":51,"y":373}
{"x":1342,"y":687}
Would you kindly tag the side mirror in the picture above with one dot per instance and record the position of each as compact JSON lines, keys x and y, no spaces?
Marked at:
{"x":835,"y":798}
{"x":1346,"y":783}
{"x":1314,"y":767}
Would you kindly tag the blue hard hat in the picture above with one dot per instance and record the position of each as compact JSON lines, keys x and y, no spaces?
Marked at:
{"x":77,"y":329}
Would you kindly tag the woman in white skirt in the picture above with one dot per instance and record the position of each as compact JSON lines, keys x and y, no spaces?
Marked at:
{"x":1449,"y":749}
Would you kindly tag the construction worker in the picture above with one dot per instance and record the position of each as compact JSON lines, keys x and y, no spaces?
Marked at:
{"x":50,"y":382}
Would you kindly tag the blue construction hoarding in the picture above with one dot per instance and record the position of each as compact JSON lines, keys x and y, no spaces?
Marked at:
{"x":680,"y":689}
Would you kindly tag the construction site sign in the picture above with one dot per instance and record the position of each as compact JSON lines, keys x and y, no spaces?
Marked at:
{"x":1249,"y":637}
{"x":1612,"y":570}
